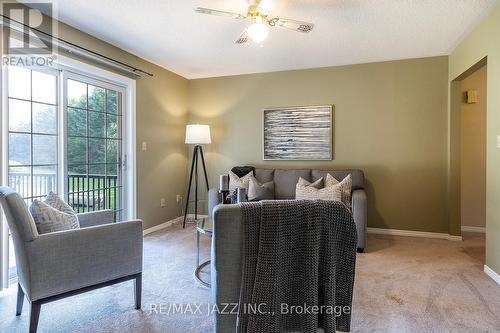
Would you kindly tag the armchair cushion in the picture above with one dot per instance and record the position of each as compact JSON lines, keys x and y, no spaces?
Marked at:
{"x":55,"y":201}
{"x":50,"y":219}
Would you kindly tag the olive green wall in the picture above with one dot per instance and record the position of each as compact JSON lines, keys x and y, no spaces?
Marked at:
{"x":483,"y":42}
{"x":473,"y":151}
{"x":161,"y":107}
{"x":390,"y":121}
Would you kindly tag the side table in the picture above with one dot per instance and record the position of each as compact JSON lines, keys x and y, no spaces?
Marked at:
{"x":204,"y":226}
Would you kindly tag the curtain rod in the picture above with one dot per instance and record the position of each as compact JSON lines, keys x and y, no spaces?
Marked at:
{"x":80,"y":50}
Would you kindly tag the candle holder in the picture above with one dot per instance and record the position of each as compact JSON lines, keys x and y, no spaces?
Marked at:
{"x":241,"y":194}
{"x":224,"y":195}
{"x":224,"y":188}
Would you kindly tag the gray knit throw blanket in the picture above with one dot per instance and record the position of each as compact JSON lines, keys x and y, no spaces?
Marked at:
{"x":299,"y":259}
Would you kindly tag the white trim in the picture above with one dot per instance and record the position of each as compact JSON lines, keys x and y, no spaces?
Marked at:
{"x":409,"y":233}
{"x":4,"y":234}
{"x":466,"y":228}
{"x":162,"y":226}
{"x":169,"y":223}
{"x":492,"y":274}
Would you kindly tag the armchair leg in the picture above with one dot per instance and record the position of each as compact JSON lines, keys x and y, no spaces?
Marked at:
{"x":138,"y":290}
{"x":34,"y":315}
{"x":20,"y":300}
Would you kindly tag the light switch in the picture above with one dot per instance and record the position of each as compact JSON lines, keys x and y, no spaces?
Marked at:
{"x":144,"y":146}
{"x":498,"y":140}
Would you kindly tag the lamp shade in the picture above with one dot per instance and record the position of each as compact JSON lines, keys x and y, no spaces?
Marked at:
{"x":198,"y":134}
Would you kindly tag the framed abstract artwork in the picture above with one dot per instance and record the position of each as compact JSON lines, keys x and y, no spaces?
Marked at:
{"x":298,"y":133}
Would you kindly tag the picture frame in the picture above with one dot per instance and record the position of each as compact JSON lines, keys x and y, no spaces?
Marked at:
{"x":300,"y":133}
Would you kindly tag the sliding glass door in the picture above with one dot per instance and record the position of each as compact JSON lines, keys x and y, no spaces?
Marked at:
{"x":63,"y":133}
{"x":94,"y":114}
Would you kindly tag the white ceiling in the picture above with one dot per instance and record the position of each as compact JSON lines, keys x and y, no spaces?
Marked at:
{"x":170,"y":34}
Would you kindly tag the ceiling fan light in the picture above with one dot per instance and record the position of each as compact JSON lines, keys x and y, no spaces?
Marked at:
{"x":258,"y":31}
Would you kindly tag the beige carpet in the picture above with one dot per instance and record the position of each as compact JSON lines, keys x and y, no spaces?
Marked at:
{"x":403,"y":284}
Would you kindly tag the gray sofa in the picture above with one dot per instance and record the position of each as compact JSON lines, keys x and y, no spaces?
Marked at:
{"x":60,"y":264}
{"x":284,"y":187}
{"x":227,"y":240}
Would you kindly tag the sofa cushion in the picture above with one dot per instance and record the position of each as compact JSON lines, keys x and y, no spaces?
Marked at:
{"x":260,"y":191}
{"x":358,"y":178}
{"x":264,"y":175}
{"x":345,"y":187}
{"x":285,"y":181}
{"x":315,"y":191}
{"x":241,"y":171}
{"x":235,"y":181}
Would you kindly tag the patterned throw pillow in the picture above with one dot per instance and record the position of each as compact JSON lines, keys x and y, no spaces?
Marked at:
{"x":345,"y":187}
{"x":235,"y":181}
{"x":258,"y":191}
{"x":314,"y":191}
{"x":56,"y":202}
{"x":53,"y":215}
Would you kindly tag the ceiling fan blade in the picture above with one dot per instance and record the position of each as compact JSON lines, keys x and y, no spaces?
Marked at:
{"x":209,"y":11}
{"x":264,"y":6}
{"x":300,"y":26}
{"x":243,"y":39}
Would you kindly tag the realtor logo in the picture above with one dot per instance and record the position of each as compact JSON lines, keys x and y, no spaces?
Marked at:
{"x":30,"y":27}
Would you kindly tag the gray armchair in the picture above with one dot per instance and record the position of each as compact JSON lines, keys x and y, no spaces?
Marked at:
{"x":61,"y":264}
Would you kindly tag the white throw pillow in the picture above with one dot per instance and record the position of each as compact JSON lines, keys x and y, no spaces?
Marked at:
{"x":235,"y":181}
{"x":53,"y":215}
{"x":345,"y":187}
{"x":305,"y":190}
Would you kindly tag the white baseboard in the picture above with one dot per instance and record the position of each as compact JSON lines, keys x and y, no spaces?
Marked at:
{"x":162,"y":226}
{"x":409,"y":233}
{"x":380,"y":231}
{"x":169,"y":223}
{"x":492,"y":274}
{"x":481,"y":230}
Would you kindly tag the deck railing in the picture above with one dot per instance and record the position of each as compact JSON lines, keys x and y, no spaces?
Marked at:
{"x":85,"y":192}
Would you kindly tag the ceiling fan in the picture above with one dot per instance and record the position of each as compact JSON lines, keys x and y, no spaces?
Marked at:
{"x":259,"y":13}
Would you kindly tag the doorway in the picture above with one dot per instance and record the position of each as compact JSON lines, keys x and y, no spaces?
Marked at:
{"x":472,"y":152}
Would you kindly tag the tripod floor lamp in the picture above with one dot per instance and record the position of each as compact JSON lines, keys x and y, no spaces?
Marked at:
{"x":196,"y":135}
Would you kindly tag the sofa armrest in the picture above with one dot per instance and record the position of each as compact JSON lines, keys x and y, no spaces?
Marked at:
{"x":226,"y":263}
{"x":68,"y":260}
{"x":359,"y":212}
{"x":99,"y":217}
{"x":213,"y":200}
